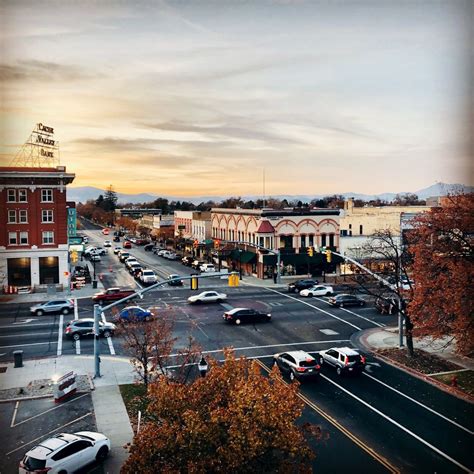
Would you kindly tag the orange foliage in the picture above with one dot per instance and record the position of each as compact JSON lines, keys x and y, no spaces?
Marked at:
{"x":441,"y":245}
{"x":233,"y":420}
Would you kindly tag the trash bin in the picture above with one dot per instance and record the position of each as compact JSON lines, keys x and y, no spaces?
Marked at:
{"x":94,"y":284}
{"x":18,"y":357}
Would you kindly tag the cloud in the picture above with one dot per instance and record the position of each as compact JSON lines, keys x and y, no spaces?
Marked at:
{"x":36,"y":70}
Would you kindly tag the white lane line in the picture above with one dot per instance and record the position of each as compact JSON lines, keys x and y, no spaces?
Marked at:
{"x":76,"y":316}
{"x":109,"y":339}
{"x":333,"y":341}
{"x":24,"y":335}
{"x":32,"y":344}
{"x":420,"y":404}
{"x":12,"y":424}
{"x":46,"y":434}
{"x":398,"y":425}
{"x":60,"y":335}
{"x":380,"y":325}
{"x":316,"y":308}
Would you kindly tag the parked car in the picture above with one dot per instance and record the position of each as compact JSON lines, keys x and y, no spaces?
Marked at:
{"x":172,"y":280}
{"x":112,"y":294}
{"x":107,"y":243}
{"x":141,"y":242}
{"x":161,"y":252}
{"x":299,"y":285}
{"x":65,"y":452}
{"x":127,"y":245}
{"x":197,"y":263}
{"x":78,"y":328}
{"x":208,"y":297}
{"x":344,"y":359}
{"x":134,"y":313}
{"x":53,"y":306}
{"x":345,"y":299}
{"x":148,"y":276}
{"x":187,"y":261}
{"x":319,"y":290}
{"x":207,"y":268}
{"x":245,"y":315}
{"x":149,"y":247}
{"x":171,"y":256}
{"x":297,"y":365}
{"x":116,"y":238}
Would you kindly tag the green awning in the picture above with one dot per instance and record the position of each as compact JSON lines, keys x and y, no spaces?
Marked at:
{"x":244,"y":257}
{"x":208,"y":242}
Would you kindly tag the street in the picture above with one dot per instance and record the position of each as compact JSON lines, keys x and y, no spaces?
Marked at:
{"x":384,"y":420}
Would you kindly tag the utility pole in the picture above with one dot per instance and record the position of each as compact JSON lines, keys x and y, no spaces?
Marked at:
{"x":97,"y":312}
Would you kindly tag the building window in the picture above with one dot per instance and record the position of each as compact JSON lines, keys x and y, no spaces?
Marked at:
{"x":350,"y":226}
{"x":323,"y":240}
{"x":361,"y":229}
{"x":343,"y":233}
{"x":23,"y":215}
{"x":48,"y":237}
{"x":46,"y":195}
{"x":23,"y":238}
{"x":12,"y":217}
{"x":22,"y":195}
{"x":11,"y":195}
{"x":12,"y":239}
{"x":46,"y":215}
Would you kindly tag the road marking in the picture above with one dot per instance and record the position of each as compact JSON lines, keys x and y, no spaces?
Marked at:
{"x":398,"y":425}
{"x":60,"y":335}
{"x":272,"y":345}
{"x":76,"y":316}
{"x":32,"y":344}
{"x":109,"y":339}
{"x":43,"y":436}
{"x":12,"y":424}
{"x":340,"y":427}
{"x":328,"y":332}
{"x":51,"y":409}
{"x":380,"y":325}
{"x":23,"y":335}
{"x":26,"y":321}
{"x":315,"y":307}
{"x":420,"y":404}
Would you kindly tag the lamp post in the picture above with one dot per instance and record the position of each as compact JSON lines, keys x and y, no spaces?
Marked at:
{"x":240,"y":264}
{"x":203,"y":366}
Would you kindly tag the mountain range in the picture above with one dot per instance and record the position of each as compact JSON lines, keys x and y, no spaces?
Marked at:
{"x":84,"y":193}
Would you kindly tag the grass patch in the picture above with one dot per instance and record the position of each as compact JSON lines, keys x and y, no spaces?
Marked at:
{"x":465,"y":380}
{"x":134,"y":398}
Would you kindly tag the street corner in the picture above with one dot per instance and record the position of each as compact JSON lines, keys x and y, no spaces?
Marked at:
{"x":29,"y":421}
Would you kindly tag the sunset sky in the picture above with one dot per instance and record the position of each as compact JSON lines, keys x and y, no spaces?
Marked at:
{"x":192,"y":98}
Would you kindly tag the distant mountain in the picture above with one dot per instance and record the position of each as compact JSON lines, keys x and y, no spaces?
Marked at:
{"x":82,"y":194}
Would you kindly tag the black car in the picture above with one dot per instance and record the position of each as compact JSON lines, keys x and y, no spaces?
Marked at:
{"x":116,"y":238}
{"x":343,"y":300}
{"x":245,"y":315}
{"x":299,"y":285}
{"x":187,"y":261}
{"x":173,"y":282}
{"x":149,"y":247}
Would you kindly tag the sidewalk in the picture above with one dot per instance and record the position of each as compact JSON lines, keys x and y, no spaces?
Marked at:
{"x":110,"y":412}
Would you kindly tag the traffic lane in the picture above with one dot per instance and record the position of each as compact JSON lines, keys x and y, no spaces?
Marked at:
{"x":391,"y":441}
{"x":30,"y":421}
{"x":439,"y":432}
{"x":452,"y":407}
{"x":14,"y":311}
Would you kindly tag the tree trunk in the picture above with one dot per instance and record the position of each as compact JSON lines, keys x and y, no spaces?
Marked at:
{"x":409,"y":335}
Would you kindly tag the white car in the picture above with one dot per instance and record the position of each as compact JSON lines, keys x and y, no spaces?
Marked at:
{"x":161,"y":252}
{"x":107,"y":243}
{"x":65,"y":452}
{"x":318,"y":290}
{"x":95,"y":257}
{"x":207,"y":268}
{"x":148,"y":276}
{"x":131,"y":261}
{"x":207,"y":297}
{"x":117,"y":250}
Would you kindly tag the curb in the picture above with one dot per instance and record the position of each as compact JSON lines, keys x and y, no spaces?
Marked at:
{"x":359,"y":339}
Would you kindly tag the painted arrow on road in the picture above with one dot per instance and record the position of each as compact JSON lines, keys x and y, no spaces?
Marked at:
{"x":26,"y":321}
{"x":368,"y":366}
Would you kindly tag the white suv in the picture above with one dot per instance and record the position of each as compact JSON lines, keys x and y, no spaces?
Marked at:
{"x":207,"y":268}
{"x":148,"y":276}
{"x":65,"y":453}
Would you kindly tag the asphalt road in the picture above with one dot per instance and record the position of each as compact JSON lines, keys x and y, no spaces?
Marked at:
{"x":384,"y":420}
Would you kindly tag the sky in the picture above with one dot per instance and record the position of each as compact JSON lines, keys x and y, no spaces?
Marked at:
{"x":202,"y":98}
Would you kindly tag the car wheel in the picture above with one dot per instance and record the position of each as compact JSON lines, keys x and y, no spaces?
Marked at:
{"x":238,"y":321}
{"x":62,"y":472}
{"x":107,"y":333}
{"x":292,"y":375}
{"x":76,"y":336}
{"x":40,"y":312}
{"x":219,"y":301}
{"x":102,"y":454}
{"x":362,"y":303}
{"x":328,"y":293}
{"x":339,"y":371}
{"x":341,"y":305}
{"x":310,"y":295}
{"x":65,"y":311}
{"x":147,"y":318}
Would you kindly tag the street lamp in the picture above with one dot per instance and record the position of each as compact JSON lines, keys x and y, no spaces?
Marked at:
{"x":240,"y":264}
{"x":203,"y":366}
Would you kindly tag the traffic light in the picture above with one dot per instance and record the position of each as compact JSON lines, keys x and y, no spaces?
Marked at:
{"x":310,"y":251}
{"x":217,"y":244}
{"x":195,"y":243}
{"x":328,"y":256}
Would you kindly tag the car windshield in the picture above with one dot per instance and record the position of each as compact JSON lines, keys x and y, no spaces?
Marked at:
{"x":33,"y":464}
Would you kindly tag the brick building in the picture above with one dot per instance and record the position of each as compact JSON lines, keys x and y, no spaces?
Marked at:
{"x":33,"y":226}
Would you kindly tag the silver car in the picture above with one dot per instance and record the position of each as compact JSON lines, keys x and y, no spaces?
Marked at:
{"x":54,"y":306}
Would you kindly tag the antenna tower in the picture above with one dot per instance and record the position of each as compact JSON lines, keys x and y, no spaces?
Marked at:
{"x":41,"y":150}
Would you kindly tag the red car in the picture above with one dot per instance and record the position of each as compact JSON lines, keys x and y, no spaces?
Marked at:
{"x":127,"y":245}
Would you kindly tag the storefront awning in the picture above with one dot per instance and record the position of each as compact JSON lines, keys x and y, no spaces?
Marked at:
{"x":244,"y":257}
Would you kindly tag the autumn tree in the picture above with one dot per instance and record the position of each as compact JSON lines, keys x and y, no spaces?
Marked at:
{"x":233,"y":420}
{"x":441,"y":245}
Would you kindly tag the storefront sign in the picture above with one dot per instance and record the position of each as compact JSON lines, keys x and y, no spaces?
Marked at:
{"x":45,"y":129}
{"x":65,"y":386}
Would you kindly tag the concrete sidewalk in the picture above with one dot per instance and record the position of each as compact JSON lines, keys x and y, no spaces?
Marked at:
{"x":110,"y":412}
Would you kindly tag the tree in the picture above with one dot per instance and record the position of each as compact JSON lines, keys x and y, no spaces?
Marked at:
{"x":233,"y":420}
{"x":110,"y":200}
{"x":443,"y":271}
{"x":407,"y":199}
